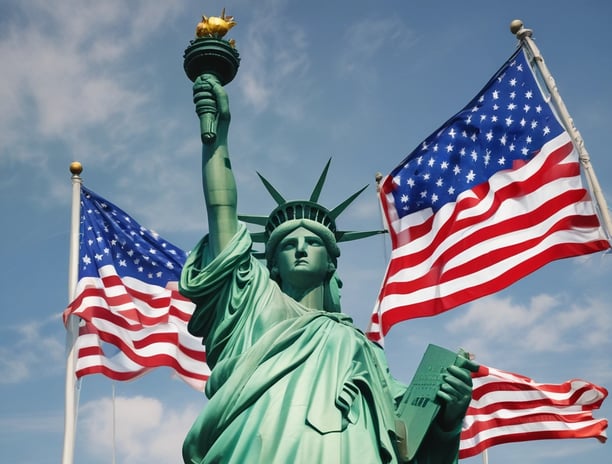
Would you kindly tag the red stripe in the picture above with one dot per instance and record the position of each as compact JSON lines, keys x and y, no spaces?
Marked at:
{"x":156,"y":360}
{"x":438,"y":305}
{"x":559,"y":421}
{"x":438,"y":273}
{"x":159,"y":336}
{"x":134,"y":313}
{"x":552,"y":421}
{"x":594,"y":431}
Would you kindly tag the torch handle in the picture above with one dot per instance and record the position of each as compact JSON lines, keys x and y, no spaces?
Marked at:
{"x":206,"y":109}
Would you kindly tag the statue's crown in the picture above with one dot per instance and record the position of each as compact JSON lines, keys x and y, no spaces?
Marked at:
{"x":303,"y":210}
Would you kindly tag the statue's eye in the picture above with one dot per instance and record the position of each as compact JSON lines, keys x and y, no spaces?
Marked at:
{"x":287,"y":245}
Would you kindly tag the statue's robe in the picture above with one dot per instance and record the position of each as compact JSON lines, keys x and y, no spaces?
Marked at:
{"x":289,"y":384}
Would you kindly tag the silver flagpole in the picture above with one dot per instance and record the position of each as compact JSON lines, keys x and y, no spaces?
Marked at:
{"x":71,"y":393}
{"x":524,"y":35}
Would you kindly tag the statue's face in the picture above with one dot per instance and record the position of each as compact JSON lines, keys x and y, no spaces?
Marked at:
{"x":302,"y":259}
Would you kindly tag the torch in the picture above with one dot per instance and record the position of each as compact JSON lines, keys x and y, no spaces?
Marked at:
{"x":210,"y":56}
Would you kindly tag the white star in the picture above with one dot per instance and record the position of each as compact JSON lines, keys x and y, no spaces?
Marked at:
{"x":86,"y":259}
{"x":470,"y":177}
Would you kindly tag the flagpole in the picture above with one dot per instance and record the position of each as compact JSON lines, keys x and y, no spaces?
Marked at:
{"x":524,"y":35}
{"x":71,"y":394}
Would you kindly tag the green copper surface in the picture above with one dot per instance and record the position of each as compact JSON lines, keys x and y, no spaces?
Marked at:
{"x":293,"y":381}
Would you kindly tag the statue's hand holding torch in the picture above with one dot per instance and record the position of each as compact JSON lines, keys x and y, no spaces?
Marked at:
{"x":212,"y":107}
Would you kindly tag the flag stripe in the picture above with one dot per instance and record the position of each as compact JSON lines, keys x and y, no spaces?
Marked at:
{"x":508,"y":408}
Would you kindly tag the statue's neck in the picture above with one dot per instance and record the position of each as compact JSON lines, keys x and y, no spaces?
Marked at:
{"x":312,"y":298}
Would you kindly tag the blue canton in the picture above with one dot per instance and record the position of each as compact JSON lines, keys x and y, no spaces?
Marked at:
{"x":110,"y":236}
{"x":504,"y":125}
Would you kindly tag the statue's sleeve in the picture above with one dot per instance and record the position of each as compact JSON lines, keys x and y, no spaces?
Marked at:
{"x":219,"y":286}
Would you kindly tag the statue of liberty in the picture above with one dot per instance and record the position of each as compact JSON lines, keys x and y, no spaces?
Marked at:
{"x":292,"y":380}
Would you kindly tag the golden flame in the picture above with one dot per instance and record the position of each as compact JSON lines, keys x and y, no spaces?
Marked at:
{"x":215,"y":26}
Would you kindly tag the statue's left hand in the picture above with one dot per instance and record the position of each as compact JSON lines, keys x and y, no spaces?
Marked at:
{"x":455,"y":394}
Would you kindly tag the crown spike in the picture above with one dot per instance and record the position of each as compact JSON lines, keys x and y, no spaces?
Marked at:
{"x":345,"y":236}
{"x":258,"y":237}
{"x":337,"y":211}
{"x":257,"y":220}
{"x":314,"y":196}
{"x":272,"y":191}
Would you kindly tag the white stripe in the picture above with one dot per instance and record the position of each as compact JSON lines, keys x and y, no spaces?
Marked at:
{"x":529,"y":427}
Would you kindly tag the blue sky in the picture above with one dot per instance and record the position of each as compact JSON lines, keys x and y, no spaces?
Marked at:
{"x":363,"y":82}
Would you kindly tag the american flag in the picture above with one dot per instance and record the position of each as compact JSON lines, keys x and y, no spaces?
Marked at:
{"x":489,"y":197}
{"x":507,"y":408}
{"x":132,"y":317}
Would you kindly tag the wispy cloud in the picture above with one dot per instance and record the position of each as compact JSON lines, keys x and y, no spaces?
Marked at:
{"x":274,"y":57}
{"x":68,"y":79}
{"x":31,"y":349}
{"x":146,"y":430}
{"x":545,"y":324}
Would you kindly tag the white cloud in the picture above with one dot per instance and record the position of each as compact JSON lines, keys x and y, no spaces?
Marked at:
{"x":63,"y":69}
{"x":27,"y":350}
{"x":273,"y":58}
{"x":146,"y":431}
{"x":546,"y":324}
{"x":370,"y":37}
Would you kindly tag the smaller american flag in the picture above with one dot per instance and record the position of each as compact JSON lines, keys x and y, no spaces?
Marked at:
{"x":133,"y":318}
{"x":492,"y":195}
{"x":507,"y":408}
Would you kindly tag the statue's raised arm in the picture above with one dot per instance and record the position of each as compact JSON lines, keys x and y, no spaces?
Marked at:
{"x":217,"y":177}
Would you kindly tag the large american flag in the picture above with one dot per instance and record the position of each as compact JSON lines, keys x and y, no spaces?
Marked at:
{"x":489,"y":197}
{"x":507,"y":408}
{"x":132,"y":317}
